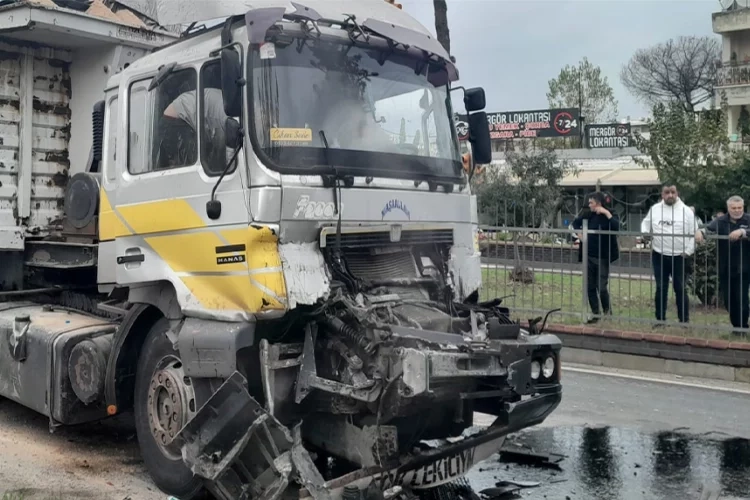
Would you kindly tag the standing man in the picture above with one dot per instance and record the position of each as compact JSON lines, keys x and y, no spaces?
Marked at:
{"x":602,"y":251}
{"x":673,"y":227}
{"x":734,"y":260}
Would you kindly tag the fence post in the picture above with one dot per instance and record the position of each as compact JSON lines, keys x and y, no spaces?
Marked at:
{"x":585,"y":270}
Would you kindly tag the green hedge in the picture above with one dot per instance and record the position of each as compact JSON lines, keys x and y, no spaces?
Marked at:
{"x":704,"y":278}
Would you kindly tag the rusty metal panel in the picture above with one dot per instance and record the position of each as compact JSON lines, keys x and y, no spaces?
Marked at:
{"x":42,"y":161}
{"x":10,"y":117}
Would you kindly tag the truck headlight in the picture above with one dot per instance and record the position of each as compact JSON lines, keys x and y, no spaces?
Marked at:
{"x":549,"y":367}
{"x":536,"y":368}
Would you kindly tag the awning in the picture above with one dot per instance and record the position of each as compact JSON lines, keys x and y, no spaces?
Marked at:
{"x":632,"y":177}
{"x":615,"y":173}
{"x":44,"y":22}
{"x":584,"y":178}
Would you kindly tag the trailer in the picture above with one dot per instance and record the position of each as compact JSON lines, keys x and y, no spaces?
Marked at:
{"x":269,"y":254}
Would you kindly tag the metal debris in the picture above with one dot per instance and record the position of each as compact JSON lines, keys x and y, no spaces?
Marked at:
{"x":520,"y":455}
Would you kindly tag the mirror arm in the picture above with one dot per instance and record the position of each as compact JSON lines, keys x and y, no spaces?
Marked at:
{"x":226,"y":169}
{"x":215,"y":53}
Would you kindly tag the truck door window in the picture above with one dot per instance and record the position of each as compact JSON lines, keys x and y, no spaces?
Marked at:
{"x":214,"y":152}
{"x":163,"y":131}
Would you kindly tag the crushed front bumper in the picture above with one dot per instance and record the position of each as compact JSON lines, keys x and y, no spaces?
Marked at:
{"x":245,"y":453}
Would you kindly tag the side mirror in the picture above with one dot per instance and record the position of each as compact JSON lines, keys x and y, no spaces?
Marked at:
{"x":233,"y":133}
{"x":479,"y":137}
{"x":231,"y":82}
{"x":474,"y":99}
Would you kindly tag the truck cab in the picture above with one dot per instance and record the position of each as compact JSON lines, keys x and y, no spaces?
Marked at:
{"x":287,"y":259}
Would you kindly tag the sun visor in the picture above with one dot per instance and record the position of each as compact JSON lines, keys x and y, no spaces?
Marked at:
{"x":376,"y":15}
{"x":259,"y":20}
{"x":413,"y":39}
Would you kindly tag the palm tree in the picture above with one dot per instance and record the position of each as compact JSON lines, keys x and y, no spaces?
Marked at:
{"x":441,"y":24}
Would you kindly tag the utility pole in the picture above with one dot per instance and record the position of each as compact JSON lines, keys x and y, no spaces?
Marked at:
{"x":580,"y":104}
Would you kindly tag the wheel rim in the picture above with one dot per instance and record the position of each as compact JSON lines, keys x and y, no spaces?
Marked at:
{"x":171,"y":404}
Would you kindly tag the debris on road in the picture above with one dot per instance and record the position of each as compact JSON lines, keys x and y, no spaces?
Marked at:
{"x":501,"y":492}
{"x":520,"y":484}
{"x":522,"y":455}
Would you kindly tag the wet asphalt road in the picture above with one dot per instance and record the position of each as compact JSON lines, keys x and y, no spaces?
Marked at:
{"x":622,"y":439}
{"x":629,"y":439}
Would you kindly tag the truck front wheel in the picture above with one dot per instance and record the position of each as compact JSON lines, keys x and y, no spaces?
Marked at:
{"x":165,"y":399}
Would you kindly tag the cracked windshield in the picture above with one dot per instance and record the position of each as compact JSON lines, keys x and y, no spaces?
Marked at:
{"x":375,"y":250}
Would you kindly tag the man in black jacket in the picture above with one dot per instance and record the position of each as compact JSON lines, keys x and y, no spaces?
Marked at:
{"x":602,"y":251}
{"x":734,"y":260}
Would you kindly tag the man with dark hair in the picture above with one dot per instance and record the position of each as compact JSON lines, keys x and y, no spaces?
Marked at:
{"x":674,"y":230}
{"x":602,"y":250}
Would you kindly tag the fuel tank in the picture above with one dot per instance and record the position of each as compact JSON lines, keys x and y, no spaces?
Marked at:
{"x":53,"y":360}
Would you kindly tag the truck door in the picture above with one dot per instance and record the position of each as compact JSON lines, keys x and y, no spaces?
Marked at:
{"x":173,"y":155}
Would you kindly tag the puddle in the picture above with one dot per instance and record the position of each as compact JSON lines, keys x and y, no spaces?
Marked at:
{"x":607,"y":463}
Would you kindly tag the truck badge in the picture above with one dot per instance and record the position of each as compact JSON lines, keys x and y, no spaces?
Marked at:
{"x":308,"y":209}
{"x":395,"y":204}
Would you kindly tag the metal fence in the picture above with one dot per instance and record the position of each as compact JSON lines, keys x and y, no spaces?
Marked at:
{"x":701,"y":292}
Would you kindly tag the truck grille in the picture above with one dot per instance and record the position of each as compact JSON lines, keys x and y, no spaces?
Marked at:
{"x":383,"y":238}
{"x":365,"y":265}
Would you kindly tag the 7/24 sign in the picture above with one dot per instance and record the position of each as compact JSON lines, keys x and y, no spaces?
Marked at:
{"x":564,"y":123}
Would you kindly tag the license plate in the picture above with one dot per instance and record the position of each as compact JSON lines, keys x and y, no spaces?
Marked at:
{"x":441,"y":471}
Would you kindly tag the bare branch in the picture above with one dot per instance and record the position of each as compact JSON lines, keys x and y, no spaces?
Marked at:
{"x":682,"y":70}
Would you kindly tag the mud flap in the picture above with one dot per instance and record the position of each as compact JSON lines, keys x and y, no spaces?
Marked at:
{"x":239,"y":449}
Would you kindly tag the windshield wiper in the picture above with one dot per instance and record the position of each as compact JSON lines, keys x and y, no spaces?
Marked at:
{"x":334,"y":180}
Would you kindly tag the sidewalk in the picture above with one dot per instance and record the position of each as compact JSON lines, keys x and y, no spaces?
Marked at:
{"x":655,"y":352}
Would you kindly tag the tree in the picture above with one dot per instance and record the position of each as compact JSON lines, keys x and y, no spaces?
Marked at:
{"x":402,"y":132}
{"x":526,"y":193}
{"x":441,"y":24}
{"x":584,"y":86}
{"x":692,"y":151}
{"x":682,"y":70}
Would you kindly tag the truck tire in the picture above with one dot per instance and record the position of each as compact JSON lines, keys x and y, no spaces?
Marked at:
{"x":164,"y":401}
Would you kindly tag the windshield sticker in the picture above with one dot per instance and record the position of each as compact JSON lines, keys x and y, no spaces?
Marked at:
{"x":268,"y":51}
{"x":291,"y":135}
{"x":397,"y":205}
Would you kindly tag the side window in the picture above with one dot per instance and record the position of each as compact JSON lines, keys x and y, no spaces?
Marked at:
{"x":162,"y":124}
{"x":214,"y":152}
{"x":138,"y":129}
{"x":110,"y":146}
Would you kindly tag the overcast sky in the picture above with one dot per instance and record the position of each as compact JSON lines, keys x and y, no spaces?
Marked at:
{"x":513,"y":48}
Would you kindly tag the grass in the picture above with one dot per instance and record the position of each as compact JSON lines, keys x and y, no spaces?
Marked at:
{"x":632,"y":303}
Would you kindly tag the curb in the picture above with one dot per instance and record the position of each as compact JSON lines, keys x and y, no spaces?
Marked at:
{"x":653,"y":352}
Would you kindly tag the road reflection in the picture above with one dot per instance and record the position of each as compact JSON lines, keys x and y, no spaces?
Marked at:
{"x":599,"y":463}
{"x":735,"y":467}
{"x":606,"y":463}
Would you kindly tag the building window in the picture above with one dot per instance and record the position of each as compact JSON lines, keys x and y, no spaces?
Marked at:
{"x":162,"y":124}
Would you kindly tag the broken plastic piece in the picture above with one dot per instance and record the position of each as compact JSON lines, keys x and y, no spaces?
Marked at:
{"x":238,"y":446}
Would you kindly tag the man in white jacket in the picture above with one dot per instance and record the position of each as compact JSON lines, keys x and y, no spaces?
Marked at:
{"x":673,"y":227}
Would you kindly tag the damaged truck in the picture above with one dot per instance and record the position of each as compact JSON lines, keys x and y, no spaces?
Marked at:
{"x":272,"y":260}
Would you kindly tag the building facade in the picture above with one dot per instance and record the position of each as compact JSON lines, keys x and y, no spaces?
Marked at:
{"x":733,"y":24}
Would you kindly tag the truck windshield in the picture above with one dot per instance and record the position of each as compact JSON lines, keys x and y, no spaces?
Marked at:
{"x":381,"y":114}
